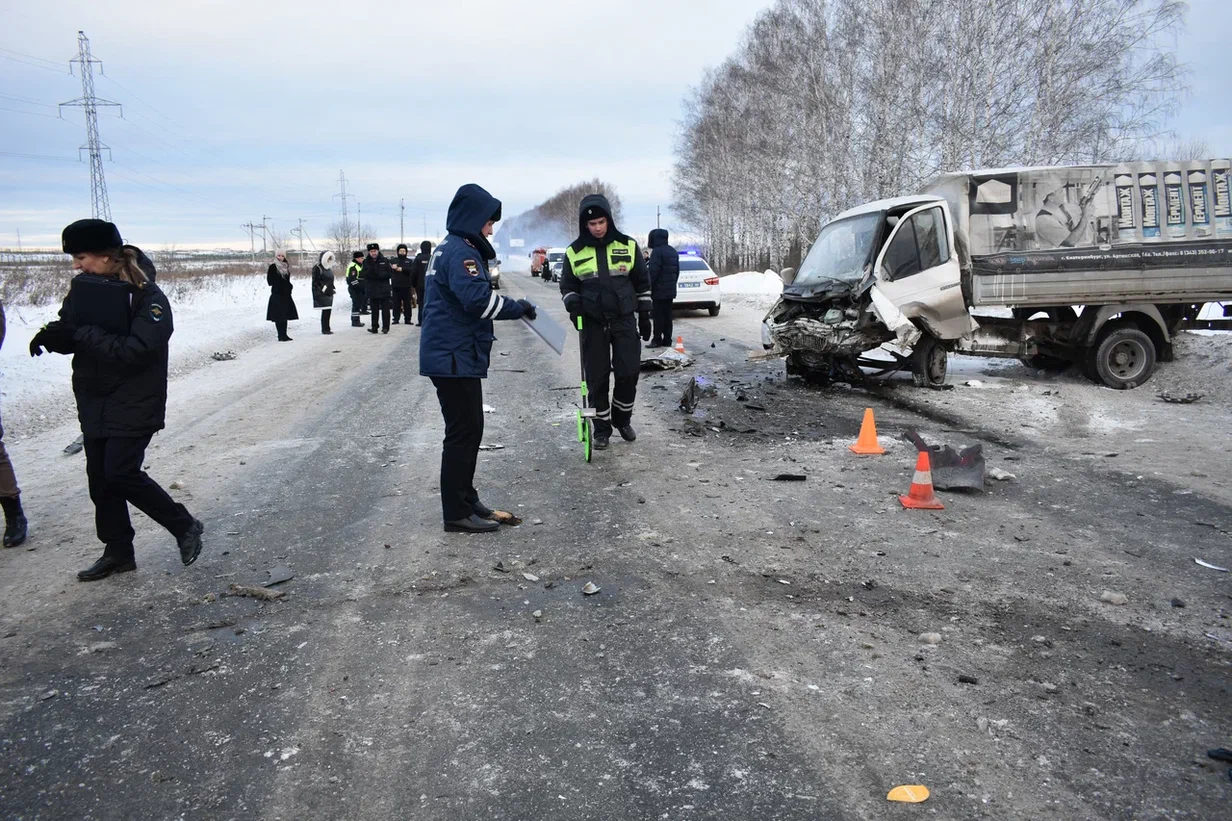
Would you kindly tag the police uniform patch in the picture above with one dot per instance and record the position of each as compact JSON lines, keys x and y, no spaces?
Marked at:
{"x":471,"y":267}
{"x":156,"y":312}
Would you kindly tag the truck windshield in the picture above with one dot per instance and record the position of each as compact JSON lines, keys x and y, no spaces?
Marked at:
{"x":840,"y":252}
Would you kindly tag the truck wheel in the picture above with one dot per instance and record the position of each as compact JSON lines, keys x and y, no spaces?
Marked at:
{"x":929,"y":363}
{"x":1124,"y":358}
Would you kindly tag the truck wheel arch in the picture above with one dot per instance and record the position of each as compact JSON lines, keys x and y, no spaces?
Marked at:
{"x":1145,"y":315}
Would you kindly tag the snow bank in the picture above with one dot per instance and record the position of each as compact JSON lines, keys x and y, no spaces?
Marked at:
{"x":751,"y":282}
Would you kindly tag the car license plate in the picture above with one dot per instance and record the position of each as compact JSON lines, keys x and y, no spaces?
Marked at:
{"x":689,"y":284}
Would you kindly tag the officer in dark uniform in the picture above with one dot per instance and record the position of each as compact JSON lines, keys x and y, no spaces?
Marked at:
{"x":403,"y":279}
{"x":605,"y":282}
{"x":356,"y":288}
{"x":116,"y":324}
{"x":420,"y":268}
{"x":377,"y":276}
{"x":456,"y":344}
{"x":664,"y":267}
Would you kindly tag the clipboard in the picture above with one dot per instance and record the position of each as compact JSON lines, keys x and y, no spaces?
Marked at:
{"x":102,"y":301}
{"x":548,"y":330}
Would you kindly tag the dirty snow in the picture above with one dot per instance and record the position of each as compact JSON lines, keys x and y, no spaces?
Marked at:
{"x":767,"y":283}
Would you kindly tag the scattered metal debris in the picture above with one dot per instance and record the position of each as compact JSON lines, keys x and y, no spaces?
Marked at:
{"x":530,"y":577}
{"x":790,"y":477}
{"x":1185,"y":399}
{"x":590,"y":589}
{"x":1000,"y":475}
{"x":668,"y":360}
{"x":278,"y":575}
{"x":223,"y":356}
{"x":491,"y":447}
{"x":75,"y":446}
{"x":1211,"y":566}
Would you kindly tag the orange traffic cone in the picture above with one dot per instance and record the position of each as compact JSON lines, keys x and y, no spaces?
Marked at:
{"x":921,"y":496}
{"x":867,"y":443}
{"x":679,"y":344}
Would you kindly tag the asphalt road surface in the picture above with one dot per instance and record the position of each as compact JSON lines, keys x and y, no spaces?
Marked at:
{"x":754,"y":652}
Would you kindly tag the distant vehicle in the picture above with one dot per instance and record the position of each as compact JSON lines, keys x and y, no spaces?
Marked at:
{"x":698,"y":286}
{"x":555,"y":264}
{"x":537,"y":258}
{"x":494,"y":274}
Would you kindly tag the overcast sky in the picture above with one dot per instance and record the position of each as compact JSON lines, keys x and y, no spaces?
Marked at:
{"x":236,"y":110}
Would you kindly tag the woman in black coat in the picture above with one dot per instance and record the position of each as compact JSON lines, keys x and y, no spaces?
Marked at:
{"x":323,"y":288}
{"x":281,"y":308}
{"x":116,"y":324}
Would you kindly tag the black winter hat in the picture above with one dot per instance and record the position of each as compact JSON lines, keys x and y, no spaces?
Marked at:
{"x":374,"y":246}
{"x":84,"y":236}
{"x":425,"y":246}
{"x":357,"y":255}
{"x":401,"y":247}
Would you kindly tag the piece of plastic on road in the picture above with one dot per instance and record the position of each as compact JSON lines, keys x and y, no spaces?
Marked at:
{"x":909,"y":793}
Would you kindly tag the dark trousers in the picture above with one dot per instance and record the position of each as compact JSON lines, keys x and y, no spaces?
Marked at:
{"x":357,"y":305}
{"x":280,"y":325}
{"x":662,"y":322}
{"x":8,"y":479}
{"x":461,"y":401}
{"x":325,"y":314}
{"x":402,"y":303}
{"x":611,"y":348}
{"x":380,"y":311}
{"x":113,"y":469}
{"x":419,"y":298}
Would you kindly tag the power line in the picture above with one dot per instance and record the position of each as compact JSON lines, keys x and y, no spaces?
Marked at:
{"x":31,"y":113}
{"x":52,"y":63}
{"x":37,"y":156}
{"x":29,"y":63}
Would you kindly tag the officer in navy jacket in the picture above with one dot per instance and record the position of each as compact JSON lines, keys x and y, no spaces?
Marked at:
{"x":456,"y":343}
{"x":664,"y":269}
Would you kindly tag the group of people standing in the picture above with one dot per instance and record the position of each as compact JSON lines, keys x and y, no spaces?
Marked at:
{"x":376,"y":284}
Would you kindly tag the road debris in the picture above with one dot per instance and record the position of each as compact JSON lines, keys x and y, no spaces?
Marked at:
{"x":1178,"y":603}
{"x":260,"y":593}
{"x":538,"y":614}
{"x":697,"y":387}
{"x":951,"y":469}
{"x":1001,"y":475}
{"x":590,"y":589}
{"x":930,"y":638}
{"x":1211,"y":566}
{"x":1111,"y":597}
{"x":965,"y":679}
{"x":1181,"y":399}
{"x":278,"y":575}
{"x":530,"y":577}
{"x":75,"y":446}
{"x":489,"y":409}
{"x":669,"y":360}
{"x":790,"y":477}
{"x":491,"y":447}
{"x":909,"y":794}
{"x":223,"y":356}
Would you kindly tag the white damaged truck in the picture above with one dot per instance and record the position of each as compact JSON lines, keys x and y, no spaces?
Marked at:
{"x":1099,"y":265}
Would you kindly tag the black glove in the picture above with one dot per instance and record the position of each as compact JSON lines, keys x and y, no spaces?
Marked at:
{"x":643,"y":325}
{"x":38,"y":343}
{"x":528,"y":308}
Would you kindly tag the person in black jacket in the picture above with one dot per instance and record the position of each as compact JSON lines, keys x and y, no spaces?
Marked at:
{"x":323,"y":288}
{"x":281,"y":306}
{"x":419,"y":277}
{"x":116,"y":324}
{"x":402,"y":278}
{"x":604,"y":281}
{"x":377,"y":275}
{"x":664,"y":268}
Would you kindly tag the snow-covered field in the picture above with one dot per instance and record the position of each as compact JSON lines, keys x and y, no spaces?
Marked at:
{"x":211,"y":313}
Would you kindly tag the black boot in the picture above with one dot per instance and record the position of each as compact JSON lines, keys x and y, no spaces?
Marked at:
{"x":471,"y":524}
{"x":15,"y":524}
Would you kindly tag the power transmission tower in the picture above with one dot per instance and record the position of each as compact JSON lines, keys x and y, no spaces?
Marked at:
{"x":299,"y":232}
{"x":263,"y":249}
{"x":101,"y":207}
{"x":657,"y":223}
{"x":402,"y":221}
{"x":346,"y":224}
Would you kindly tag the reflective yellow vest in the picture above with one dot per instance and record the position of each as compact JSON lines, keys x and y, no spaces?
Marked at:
{"x":585,"y":263}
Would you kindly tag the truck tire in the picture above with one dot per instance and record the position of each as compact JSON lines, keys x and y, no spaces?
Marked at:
{"x":1124,"y":358}
{"x":930,"y":363}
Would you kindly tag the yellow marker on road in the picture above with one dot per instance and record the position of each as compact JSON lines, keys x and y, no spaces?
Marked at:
{"x":909,"y":794}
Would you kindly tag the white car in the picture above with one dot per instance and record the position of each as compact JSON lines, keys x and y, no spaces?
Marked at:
{"x":698,"y":286}
{"x":555,"y":264}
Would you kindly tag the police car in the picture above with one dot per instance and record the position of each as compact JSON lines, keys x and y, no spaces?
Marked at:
{"x":698,"y":286}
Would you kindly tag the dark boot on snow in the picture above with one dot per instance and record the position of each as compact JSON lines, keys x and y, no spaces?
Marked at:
{"x":15,"y":524}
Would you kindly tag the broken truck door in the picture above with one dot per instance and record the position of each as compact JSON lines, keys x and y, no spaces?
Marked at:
{"x":918,"y":271}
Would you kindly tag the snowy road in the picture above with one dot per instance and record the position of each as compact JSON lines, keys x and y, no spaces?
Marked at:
{"x":754,"y":651}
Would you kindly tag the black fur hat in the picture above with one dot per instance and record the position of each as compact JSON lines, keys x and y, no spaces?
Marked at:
{"x":374,"y":246}
{"x":84,"y":236}
{"x":357,"y":255}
